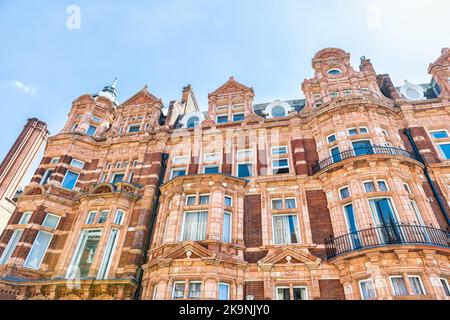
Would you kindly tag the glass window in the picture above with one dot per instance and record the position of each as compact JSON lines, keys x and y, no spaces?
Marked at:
{"x":96,"y":119}
{"x":84,"y":254}
{"x":195,"y":289}
{"x":445,"y":149}
{"x":190,"y":200}
{"x":278,"y":112}
{"x":134,"y":128}
{"x":180,"y":160}
{"x":369,"y":186}
{"x":91,"y":217}
{"x":213,"y":157}
{"x":70,"y":180}
{"x":178,"y":290}
{"x":103,"y":217}
{"x":108,"y":255}
{"x":244,"y":154}
{"x":407,"y":188}
{"x":291,"y":204}
{"x":363,"y":130}
{"x":77,"y":164}
{"x":344,"y":193}
{"x":439,"y":134}
{"x":280,"y":166}
{"x":177,"y":173}
{"x":25,"y":218}
{"x":91,"y":130}
{"x":38,"y":250}
{"x":12,"y":244}
{"x":398,"y":286}
{"x":331,"y":138}
{"x":46,"y":176}
{"x":416,"y":285}
{"x":283,"y":293}
{"x":193,"y":122}
{"x":228,"y":202}
{"x":224,"y":291}
{"x":300,"y":293}
{"x":118,"y":177}
{"x":54,"y":161}
{"x":383,"y":186}
{"x":279,"y":150}
{"x":277,"y":204}
{"x":211,"y":169}
{"x":445,"y":286}
{"x":352,"y":132}
{"x":245,"y":170}
{"x":204,"y":200}
{"x":367,"y":290}
{"x":238,"y":117}
{"x":118,"y":219}
{"x":226,"y":237}
{"x":286,"y":229}
{"x":222,"y":119}
{"x":51,"y":221}
{"x":194,"y":226}
{"x":334,"y":72}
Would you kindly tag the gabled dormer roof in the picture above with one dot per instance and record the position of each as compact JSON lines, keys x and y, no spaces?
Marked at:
{"x":230,"y":87}
{"x":142,"y":97}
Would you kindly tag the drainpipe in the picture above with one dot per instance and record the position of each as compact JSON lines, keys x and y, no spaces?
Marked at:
{"x":427,"y":174}
{"x":140,"y":275}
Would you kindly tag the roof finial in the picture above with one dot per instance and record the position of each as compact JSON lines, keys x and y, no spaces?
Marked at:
{"x":114,"y":83}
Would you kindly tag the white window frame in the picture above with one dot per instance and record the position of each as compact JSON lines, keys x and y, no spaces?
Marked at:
{"x":347,"y":223}
{"x":349,"y":193}
{"x":442,"y":151}
{"x":374,"y":186}
{"x":45,"y":251}
{"x":77,"y":164}
{"x":46,"y":176}
{"x":176,"y":160}
{"x":392,"y":285}
{"x":276,"y":199}
{"x":420,"y":282}
{"x":299,"y":236}
{"x":76,"y":181}
{"x":385,"y":183}
{"x":407,"y":187}
{"x":117,"y":215}
{"x":91,"y":213}
{"x":211,"y":157}
{"x":107,"y":216}
{"x":394,"y":209}
{"x":204,"y":195}
{"x":231,"y":198}
{"x":133,"y":126}
{"x":17,"y":234}
{"x":295,"y":200}
{"x":363,"y":127}
{"x":211,"y":166}
{"x":230,"y":232}
{"x":445,"y":283}
{"x":289,"y":288}
{"x":107,"y":262}
{"x":26,"y":215}
{"x":331,"y":135}
{"x":228,"y":291}
{"x":117,"y":174}
{"x":51,"y":215}
{"x":436,"y":131}
{"x":361,"y":290}
{"x":329,"y":72}
{"x":190,"y":197}
{"x":184,"y":222}
{"x":252,"y":174}
{"x":238,"y":114}
{"x":353,"y":128}
{"x":280,"y":167}
{"x":55,"y":160}
{"x":95,"y":131}
{"x":245,"y":151}
{"x":279,"y":148}
{"x":83,"y":233}
{"x":222,"y":116}
{"x":177,"y":169}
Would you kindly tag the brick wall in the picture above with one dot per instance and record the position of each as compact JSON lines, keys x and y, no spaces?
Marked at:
{"x":256,"y":289}
{"x":252,"y":221}
{"x":331,"y":290}
{"x":423,"y":142}
{"x":319,"y":216}
{"x":305,"y":152}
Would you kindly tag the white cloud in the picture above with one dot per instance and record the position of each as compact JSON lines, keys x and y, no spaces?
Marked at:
{"x":29,"y":89}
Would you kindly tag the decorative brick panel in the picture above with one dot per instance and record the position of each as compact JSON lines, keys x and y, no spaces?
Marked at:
{"x":193,"y":166}
{"x":305,"y":152}
{"x":423,"y":142}
{"x":38,"y":215}
{"x":319,"y":216}
{"x":227,"y":166}
{"x":262,"y":164}
{"x":255,"y":289}
{"x":331,"y":290}
{"x":254,"y":257}
{"x":252,"y":221}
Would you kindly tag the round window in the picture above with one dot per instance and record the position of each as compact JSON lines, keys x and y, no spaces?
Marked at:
{"x":278,"y":112}
{"x":412,"y":94}
{"x":334,"y":72}
{"x":193,"y":122}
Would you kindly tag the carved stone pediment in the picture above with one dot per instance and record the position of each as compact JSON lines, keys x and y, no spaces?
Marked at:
{"x":187,"y":251}
{"x":140,"y":98}
{"x":290,"y":257}
{"x":231,"y":86}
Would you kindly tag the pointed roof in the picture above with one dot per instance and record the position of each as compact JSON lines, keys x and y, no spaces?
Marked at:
{"x":141,"y":97}
{"x":231,"y":86}
{"x":109,"y":92}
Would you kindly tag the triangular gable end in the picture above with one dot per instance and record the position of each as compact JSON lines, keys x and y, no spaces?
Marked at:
{"x":231,"y":86}
{"x":290,"y":255}
{"x":142,"y":97}
{"x":188,"y":250}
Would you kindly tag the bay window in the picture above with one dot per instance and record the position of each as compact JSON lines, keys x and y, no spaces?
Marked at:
{"x":83,"y":258}
{"x":193,"y":292}
{"x":108,"y":255}
{"x":298,"y":293}
{"x":286,"y":229}
{"x":118,"y":219}
{"x":194,"y":226}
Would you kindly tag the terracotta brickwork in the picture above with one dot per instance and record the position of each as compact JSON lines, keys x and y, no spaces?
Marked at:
{"x":318,"y":199}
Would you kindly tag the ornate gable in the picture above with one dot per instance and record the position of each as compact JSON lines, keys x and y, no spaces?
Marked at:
{"x":230,"y":87}
{"x":289,"y":257}
{"x":142,"y":97}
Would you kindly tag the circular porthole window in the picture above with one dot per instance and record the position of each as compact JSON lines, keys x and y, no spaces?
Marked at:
{"x":277,"y":109}
{"x":278,"y":112}
{"x":412,"y":92}
{"x":334,"y":72}
{"x":192,"y":120}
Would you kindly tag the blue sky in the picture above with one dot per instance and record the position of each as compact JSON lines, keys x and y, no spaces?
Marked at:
{"x":266,"y":44}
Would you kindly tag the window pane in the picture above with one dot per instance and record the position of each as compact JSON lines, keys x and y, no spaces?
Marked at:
{"x":283,"y":294}
{"x":300,"y":294}
{"x":194,"y":228}
{"x":416,"y":286}
{"x":363,"y":130}
{"x":280,"y":163}
{"x":228,"y":202}
{"x":211,"y":170}
{"x":222,"y":119}
{"x":445,"y":148}
{"x":278,"y":112}
{"x":133,"y":129}
{"x":84,"y":257}
{"x":291,"y":204}
{"x":51,"y":221}
{"x":332,"y":138}
{"x":178,"y":173}
{"x":345,"y":193}
{"x":118,"y":178}
{"x":238,"y":117}
{"x":180,"y":160}
{"x":103,"y":217}
{"x":245,"y":170}
{"x":383,"y":186}
{"x":369,"y":186}
{"x":119,"y":217}
{"x":178,"y":291}
{"x":286,"y":229}
{"x":439,"y":134}
{"x":47,"y":177}
{"x":227,"y":227}
{"x":9,"y":250}
{"x":367,"y":290}
{"x":195,"y":290}
{"x":70,"y":180}
{"x":399,"y":287}
{"x":91,"y":130}
{"x":352,"y":132}
{"x":224,"y":293}
{"x":190,"y":200}
{"x":77,"y":164}
{"x":193,"y":122}
{"x":204,"y":200}
{"x":444,"y":283}
{"x":91,"y":217}
{"x":277,"y":204}
{"x":279,"y":150}
{"x":38,"y":250}
{"x":25,"y":218}
{"x":108,"y":256}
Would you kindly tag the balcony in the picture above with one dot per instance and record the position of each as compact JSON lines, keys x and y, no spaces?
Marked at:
{"x":360,"y":152}
{"x":399,"y":234}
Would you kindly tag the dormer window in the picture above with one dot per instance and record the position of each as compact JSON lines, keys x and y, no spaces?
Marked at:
{"x":278,"y":112}
{"x":193,"y":122}
{"x":334,"y":72}
{"x":278,"y":109}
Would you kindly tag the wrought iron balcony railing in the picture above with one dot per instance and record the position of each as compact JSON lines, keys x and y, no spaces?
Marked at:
{"x":385,"y":236}
{"x":358,"y":152}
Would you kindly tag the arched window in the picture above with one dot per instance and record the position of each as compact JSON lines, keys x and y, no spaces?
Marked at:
{"x":334,"y":72}
{"x":193,"y":122}
{"x":278,"y":112}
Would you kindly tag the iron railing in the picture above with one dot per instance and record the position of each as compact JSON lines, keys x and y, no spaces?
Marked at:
{"x":386,"y":235}
{"x":357,"y":152}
